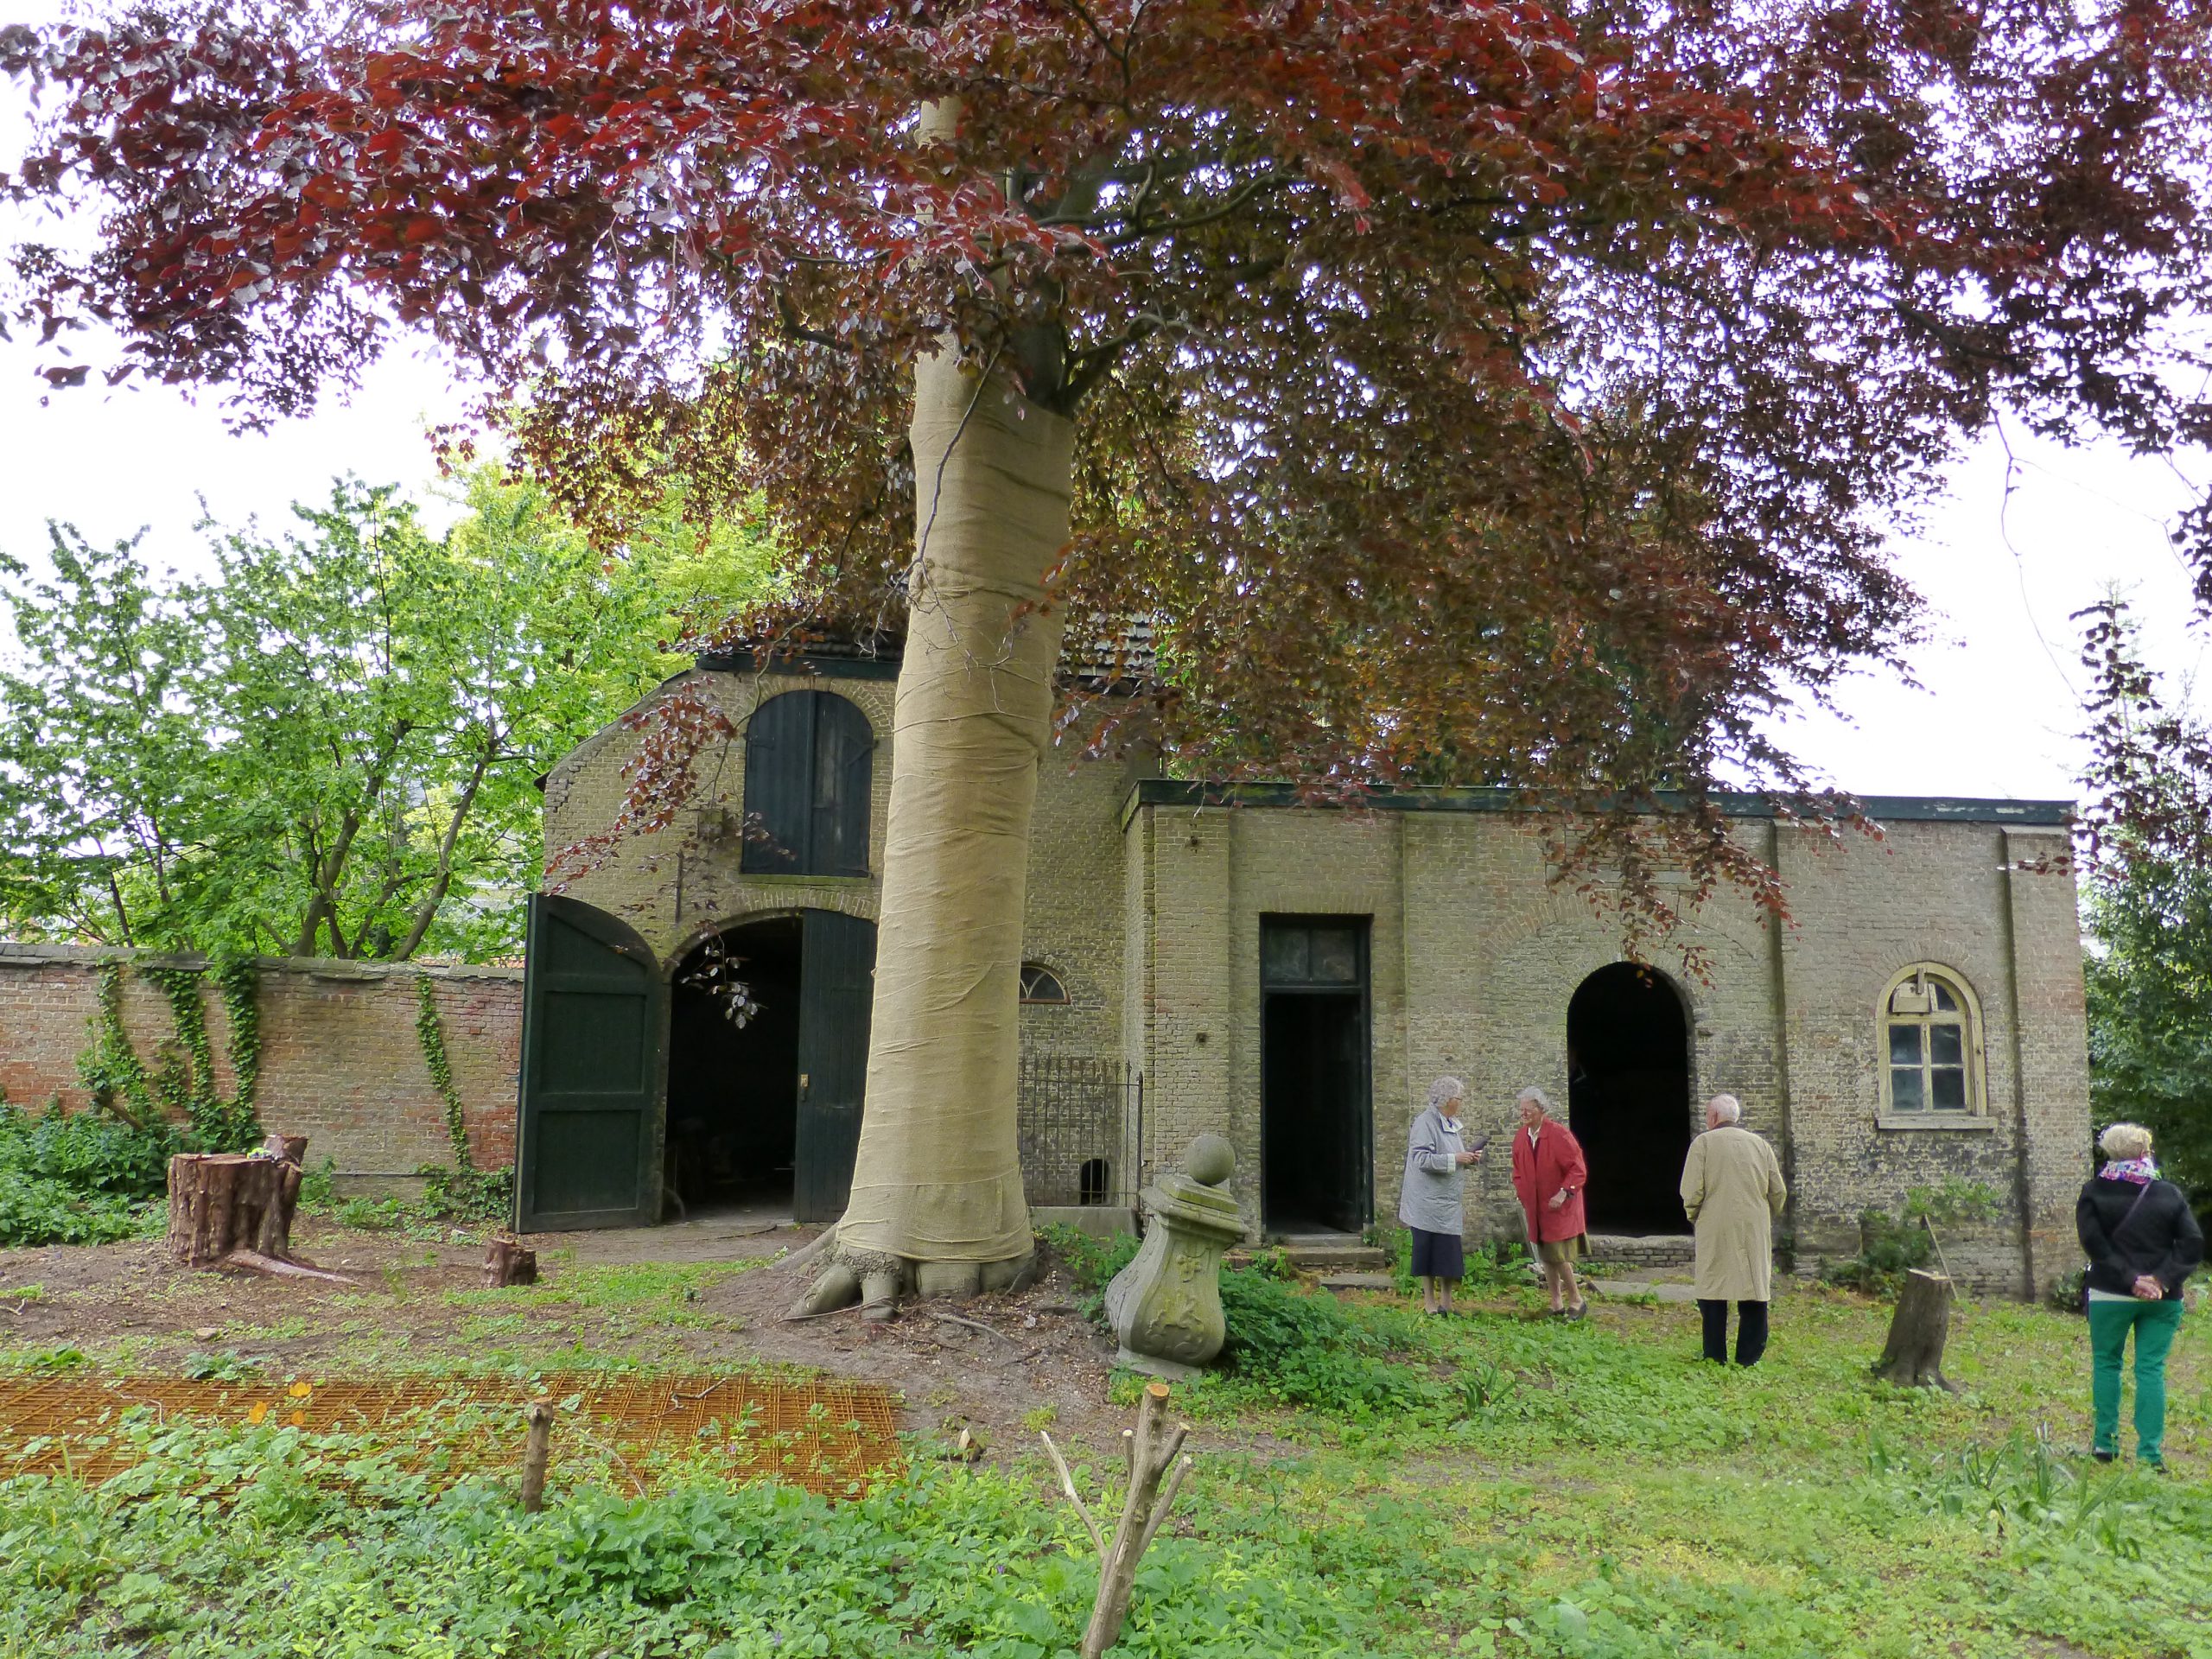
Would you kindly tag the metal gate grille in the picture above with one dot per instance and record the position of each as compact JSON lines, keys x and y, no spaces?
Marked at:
{"x":1082,"y":1129}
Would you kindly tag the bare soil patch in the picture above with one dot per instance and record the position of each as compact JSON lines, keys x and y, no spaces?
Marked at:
{"x":649,"y":1299}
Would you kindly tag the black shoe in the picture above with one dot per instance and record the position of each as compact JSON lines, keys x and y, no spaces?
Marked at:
{"x":2102,"y":1456}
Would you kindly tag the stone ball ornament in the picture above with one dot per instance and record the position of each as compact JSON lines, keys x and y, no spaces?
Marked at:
{"x":1210,"y":1160}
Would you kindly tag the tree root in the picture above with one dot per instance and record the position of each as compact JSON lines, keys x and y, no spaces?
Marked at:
{"x":878,"y":1281}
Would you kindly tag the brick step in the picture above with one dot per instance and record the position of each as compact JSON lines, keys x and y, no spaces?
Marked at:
{"x":1323,"y":1252}
{"x":1342,"y":1279}
{"x":1352,"y":1258}
{"x":1653,"y":1250}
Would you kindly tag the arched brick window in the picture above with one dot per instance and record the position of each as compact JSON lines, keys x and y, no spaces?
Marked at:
{"x":1931,"y":1047}
{"x":809,"y":767}
{"x":1040,"y":984}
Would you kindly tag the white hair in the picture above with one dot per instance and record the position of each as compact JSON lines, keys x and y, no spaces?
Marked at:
{"x":1726,"y":1109}
{"x":1444,"y":1091}
{"x":2124,"y":1141}
{"x":1537,"y":1095}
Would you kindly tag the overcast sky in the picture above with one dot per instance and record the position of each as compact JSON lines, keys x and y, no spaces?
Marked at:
{"x":1998,"y":713}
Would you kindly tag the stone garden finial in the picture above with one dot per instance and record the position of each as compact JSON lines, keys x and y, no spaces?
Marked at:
{"x":1165,"y":1306}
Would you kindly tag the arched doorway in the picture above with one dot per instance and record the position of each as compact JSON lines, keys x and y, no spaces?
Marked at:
{"x":1628,"y":1065}
{"x":765,"y":1088}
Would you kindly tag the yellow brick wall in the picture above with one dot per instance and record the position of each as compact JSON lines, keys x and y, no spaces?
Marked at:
{"x":677,"y":892}
{"x":1476,"y":954}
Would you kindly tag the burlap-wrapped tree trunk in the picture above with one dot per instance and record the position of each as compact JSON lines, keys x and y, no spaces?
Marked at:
{"x":936,"y":1183}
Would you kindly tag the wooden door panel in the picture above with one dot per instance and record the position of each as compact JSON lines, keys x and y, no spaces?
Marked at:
{"x":594,"y":1020}
{"x":836,"y":991}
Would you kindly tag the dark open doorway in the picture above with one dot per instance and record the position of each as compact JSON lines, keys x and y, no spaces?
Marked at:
{"x":1316,"y":1118}
{"x":765,"y":1115}
{"x":733,"y":1090}
{"x":1629,"y":1097}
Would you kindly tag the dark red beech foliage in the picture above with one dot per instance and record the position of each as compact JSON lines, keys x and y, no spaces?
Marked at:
{"x":1496,"y":391}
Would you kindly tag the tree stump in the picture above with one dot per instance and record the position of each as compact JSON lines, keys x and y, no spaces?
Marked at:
{"x":235,"y":1210}
{"x":507,"y":1263}
{"x":220,"y":1202}
{"x":1913,"y":1357}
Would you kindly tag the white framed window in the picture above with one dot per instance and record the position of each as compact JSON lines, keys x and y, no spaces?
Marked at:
{"x":1931,"y":1060}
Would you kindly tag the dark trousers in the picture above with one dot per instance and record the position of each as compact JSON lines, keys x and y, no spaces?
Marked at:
{"x":1750,"y":1332}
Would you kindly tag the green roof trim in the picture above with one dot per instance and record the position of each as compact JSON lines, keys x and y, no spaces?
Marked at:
{"x":1882,"y":808}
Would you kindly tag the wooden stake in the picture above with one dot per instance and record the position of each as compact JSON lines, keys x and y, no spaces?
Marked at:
{"x":536,"y":1449}
{"x":1913,"y":1357}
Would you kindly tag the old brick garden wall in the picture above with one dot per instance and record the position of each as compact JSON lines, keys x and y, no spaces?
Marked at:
{"x":342,"y":1063}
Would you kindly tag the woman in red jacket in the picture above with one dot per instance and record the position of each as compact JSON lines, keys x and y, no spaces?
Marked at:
{"x":1548,"y":1174}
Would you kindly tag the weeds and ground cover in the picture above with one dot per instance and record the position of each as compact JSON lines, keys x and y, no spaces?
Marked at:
{"x":79,"y":1177}
{"x":1368,"y":1481}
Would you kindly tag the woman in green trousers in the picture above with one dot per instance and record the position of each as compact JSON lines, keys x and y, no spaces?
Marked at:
{"x":2142,"y":1242}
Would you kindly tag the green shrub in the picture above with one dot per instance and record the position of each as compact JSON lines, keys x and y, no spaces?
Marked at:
{"x":475,"y":1195}
{"x":79,"y":1177}
{"x":319,"y":1186}
{"x":1091,"y":1264}
{"x":2064,"y":1295}
{"x":1308,"y":1348}
{"x":371,"y":1215}
{"x":1890,"y":1246}
{"x":1497,"y":1264}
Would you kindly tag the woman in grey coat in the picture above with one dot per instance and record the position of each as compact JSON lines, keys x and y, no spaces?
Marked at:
{"x":1437,"y":1157}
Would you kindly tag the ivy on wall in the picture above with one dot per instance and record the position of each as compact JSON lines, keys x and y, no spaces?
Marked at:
{"x":430,"y":1032}
{"x":464,"y":1191}
{"x":183,"y":1085}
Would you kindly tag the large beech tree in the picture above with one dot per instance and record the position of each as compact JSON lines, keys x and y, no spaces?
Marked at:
{"x":1511,"y":391}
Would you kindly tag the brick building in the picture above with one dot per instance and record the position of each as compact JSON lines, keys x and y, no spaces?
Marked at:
{"x":1292,"y":978}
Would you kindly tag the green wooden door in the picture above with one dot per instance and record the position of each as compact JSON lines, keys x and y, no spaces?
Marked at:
{"x":594,"y":1021}
{"x":836,"y":991}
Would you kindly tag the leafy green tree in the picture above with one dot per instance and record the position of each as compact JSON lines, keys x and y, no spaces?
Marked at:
{"x":2148,"y":904}
{"x":329,"y":748}
{"x":102,"y":760}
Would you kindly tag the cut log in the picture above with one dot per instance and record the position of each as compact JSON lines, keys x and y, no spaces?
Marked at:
{"x":507,"y":1263}
{"x":1913,"y":1357}
{"x":224,"y":1204}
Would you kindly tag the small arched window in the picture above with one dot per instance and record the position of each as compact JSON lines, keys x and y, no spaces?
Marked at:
{"x":1931,"y":1035}
{"x":1040,"y":984}
{"x":809,"y":760}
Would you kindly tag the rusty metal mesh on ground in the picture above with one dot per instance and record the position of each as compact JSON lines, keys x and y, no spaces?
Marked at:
{"x":830,"y":1437}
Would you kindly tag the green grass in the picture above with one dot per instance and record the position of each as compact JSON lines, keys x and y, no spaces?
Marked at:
{"x":1526,"y":1488}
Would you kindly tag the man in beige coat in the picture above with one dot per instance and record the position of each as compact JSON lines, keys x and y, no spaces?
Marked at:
{"x":1732,"y":1188}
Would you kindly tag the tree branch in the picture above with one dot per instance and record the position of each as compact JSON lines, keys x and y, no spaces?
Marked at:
{"x":427,"y":911}
{"x":1067,"y":1485}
